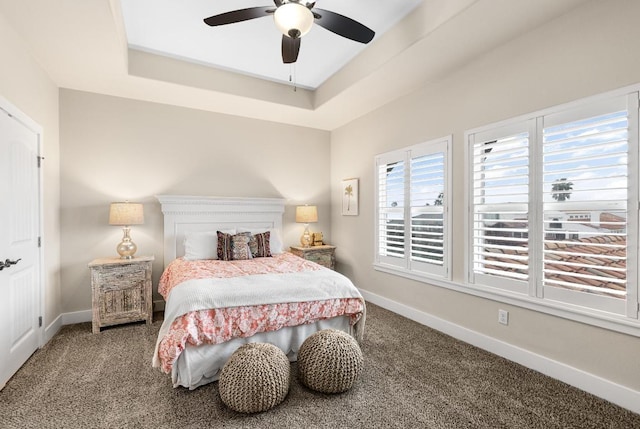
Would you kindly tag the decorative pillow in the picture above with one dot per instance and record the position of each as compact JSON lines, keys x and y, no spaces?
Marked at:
{"x":240,"y":246}
{"x":224,"y":246}
{"x":202,"y":245}
{"x":259,"y":245}
{"x":233,"y":247}
{"x":275,"y":241}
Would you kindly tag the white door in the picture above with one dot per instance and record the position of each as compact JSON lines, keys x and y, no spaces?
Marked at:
{"x":19,"y":230}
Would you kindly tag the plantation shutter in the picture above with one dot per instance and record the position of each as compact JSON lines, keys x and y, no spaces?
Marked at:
{"x":500,"y":193}
{"x":391,"y":202}
{"x":553,"y":206}
{"x":428,"y":195}
{"x":412,"y":215}
{"x":585,"y":205}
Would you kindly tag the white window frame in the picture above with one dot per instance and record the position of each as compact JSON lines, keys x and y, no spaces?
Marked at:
{"x":488,"y":134}
{"x":405,"y":266}
{"x":576,"y":305}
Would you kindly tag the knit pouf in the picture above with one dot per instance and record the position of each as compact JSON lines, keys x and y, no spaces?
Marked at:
{"x":329,"y":361}
{"x":255,"y":378}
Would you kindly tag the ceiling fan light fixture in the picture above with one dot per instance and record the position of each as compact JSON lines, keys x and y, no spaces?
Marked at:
{"x":293,"y":19}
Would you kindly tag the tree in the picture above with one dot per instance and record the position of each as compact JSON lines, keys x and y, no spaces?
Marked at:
{"x":561,"y":189}
{"x":439,"y":200}
{"x":348,"y":191}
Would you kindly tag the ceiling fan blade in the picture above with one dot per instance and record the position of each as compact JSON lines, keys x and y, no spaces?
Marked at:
{"x":290,"y":49}
{"x":238,"y":15}
{"x":343,"y":26}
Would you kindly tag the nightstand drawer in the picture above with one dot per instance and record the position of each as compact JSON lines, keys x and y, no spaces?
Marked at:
{"x":118,"y":278}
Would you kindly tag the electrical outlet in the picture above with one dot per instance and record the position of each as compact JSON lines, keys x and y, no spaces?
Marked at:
{"x":503,"y":317}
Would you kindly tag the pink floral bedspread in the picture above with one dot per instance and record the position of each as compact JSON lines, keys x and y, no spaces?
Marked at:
{"x":215,"y":326}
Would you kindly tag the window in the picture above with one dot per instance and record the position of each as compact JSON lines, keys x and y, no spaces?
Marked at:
{"x":553,"y":206}
{"x":412,"y":218}
{"x":501,"y":211}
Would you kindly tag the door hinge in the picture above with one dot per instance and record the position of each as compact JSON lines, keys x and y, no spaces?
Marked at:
{"x":40,"y":158}
{"x":39,"y":241}
{"x":39,"y":321}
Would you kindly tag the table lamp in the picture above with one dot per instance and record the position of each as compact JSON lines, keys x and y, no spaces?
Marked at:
{"x":126,"y":214}
{"x":306,"y":215}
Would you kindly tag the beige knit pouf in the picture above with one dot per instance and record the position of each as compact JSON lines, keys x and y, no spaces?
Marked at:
{"x":255,"y":378}
{"x":329,"y":361}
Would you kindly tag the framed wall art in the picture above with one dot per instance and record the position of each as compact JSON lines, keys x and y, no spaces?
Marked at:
{"x":350,"y":197}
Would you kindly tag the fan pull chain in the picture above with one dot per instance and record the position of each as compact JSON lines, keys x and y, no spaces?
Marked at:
{"x":292,"y":72}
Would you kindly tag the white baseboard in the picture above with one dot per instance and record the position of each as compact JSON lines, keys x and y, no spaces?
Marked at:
{"x":87,"y":315}
{"x":63,"y":319}
{"x":77,"y":317}
{"x":605,"y":389}
{"x":51,"y":330}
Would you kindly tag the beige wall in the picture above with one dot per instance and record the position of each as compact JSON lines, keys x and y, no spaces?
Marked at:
{"x":25,"y":85}
{"x":115,"y":149}
{"x":590,"y":50}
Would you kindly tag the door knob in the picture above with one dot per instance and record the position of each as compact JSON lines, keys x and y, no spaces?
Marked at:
{"x":8,"y":262}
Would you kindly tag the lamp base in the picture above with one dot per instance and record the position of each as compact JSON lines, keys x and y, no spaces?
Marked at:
{"x":305,"y":239}
{"x":127,"y":248}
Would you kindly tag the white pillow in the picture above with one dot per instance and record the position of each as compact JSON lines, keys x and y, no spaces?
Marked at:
{"x":275,"y":240}
{"x":202,"y":245}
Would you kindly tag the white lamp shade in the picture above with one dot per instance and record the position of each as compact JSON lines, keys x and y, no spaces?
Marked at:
{"x":293,"y":19}
{"x":306,"y":214}
{"x":126,"y":214}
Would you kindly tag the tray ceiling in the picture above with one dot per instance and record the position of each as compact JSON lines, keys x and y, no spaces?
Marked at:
{"x":176,"y":29}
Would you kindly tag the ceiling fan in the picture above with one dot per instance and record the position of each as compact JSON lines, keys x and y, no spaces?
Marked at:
{"x":294,"y":19}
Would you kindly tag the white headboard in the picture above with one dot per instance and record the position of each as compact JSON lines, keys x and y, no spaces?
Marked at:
{"x":190,"y":213}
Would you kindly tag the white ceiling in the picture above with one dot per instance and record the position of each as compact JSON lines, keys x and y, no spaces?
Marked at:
{"x":176,"y":29}
{"x":82,"y":45}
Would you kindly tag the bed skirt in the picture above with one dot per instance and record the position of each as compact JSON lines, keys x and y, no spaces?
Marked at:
{"x":200,"y":365}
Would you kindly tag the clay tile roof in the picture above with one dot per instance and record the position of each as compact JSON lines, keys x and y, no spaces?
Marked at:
{"x":611,"y":221}
{"x":561,"y":256}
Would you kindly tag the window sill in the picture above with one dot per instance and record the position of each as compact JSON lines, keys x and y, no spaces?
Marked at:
{"x":584,"y":315}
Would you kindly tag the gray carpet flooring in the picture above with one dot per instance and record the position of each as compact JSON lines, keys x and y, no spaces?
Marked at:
{"x":414,"y":377}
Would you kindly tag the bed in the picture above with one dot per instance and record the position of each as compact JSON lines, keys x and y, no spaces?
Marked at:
{"x":227,"y":281}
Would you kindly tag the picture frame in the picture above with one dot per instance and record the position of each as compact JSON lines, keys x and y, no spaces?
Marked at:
{"x":350,"y":197}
